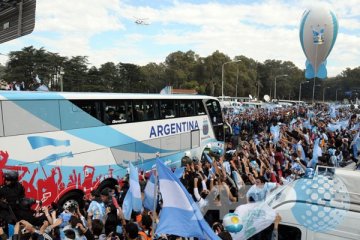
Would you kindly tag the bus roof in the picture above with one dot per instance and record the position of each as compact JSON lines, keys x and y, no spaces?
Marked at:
{"x":28,"y":95}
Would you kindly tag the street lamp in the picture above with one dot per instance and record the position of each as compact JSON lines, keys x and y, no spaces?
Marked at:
{"x":324,"y":93}
{"x":300,"y":90}
{"x":237,"y":80}
{"x":222,"y":77}
{"x":61,"y":72}
{"x":336,"y":94}
{"x":283,"y":75}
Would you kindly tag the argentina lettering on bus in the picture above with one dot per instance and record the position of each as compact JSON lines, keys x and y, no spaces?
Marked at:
{"x":173,"y":128}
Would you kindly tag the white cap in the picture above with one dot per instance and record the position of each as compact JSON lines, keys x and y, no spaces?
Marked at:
{"x":188,"y":154}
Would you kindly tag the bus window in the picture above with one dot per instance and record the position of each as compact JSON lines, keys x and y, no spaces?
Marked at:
{"x":80,"y":114}
{"x":216,"y":119}
{"x":214,"y":112}
{"x":115,"y":112}
{"x":30,"y":116}
{"x":143,"y":110}
{"x":168,"y":108}
{"x":87,"y":106}
{"x":186,"y":108}
{"x":200,"y":110}
{"x":156,"y":105}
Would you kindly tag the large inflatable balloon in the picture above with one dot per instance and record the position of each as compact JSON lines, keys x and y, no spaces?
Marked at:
{"x":318,"y":31}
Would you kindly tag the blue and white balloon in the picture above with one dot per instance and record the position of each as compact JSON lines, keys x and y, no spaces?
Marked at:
{"x":232,"y":223}
{"x":318,"y":32}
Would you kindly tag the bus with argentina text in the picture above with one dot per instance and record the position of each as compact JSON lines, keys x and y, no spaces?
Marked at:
{"x":64,"y":145}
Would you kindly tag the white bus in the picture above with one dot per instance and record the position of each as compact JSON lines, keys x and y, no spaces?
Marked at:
{"x":64,"y":145}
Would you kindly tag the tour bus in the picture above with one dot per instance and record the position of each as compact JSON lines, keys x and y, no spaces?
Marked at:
{"x":326,"y":206}
{"x":64,"y":145}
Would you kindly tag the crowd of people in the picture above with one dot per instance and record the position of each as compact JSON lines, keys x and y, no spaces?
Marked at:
{"x":267,"y":148}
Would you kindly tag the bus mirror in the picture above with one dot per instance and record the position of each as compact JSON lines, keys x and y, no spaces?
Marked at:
{"x":17,"y":18}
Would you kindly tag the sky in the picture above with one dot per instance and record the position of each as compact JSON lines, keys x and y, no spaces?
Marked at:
{"x":105,"y":30}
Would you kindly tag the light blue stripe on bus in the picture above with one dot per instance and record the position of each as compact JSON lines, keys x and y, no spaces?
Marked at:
{"x":105,"y":135}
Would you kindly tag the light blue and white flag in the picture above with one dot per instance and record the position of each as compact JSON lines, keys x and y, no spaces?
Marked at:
{"x":179,"y":172}
{"x":208,"y":158}
{"x":317,"y":152}
{"x":355,"y":144}
{"x":275,"y":132}
{"x":332,"y":127}
{"x":332,"y":112}
{"x":307,"y":124}
{"x":149,"y":193}
{"x":180,"y":215}
{"x":132,"y":200}
{"x":255,"y":218}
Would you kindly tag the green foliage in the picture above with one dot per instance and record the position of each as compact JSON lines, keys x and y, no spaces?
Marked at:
{"x":188,"y":70}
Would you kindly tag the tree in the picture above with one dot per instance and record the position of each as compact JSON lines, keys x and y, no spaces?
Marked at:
{"x":75,"y":76}
{"x":180,"y":67}
{"x":212,"y":68}
{"x":109,"y":76}
{"x":130,"y":78}
{"x":153,"y":77}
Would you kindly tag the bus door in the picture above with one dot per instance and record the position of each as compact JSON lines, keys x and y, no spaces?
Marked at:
{"x":216,"y":118}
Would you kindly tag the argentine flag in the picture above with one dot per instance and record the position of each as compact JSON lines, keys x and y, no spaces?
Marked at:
{"x":275,"y":132}
{"x":180,"y":215}
{"x":317,"y":152}
{"x":332,"y":112}
{"x":149,"y":193}
{"x":132,"y":200}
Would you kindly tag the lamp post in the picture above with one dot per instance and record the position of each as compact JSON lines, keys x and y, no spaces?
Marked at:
{"x":283,"y":75}
{"x":324,"y":93}
{"x":336,"y":94}
{"x":237,"y":80}
{"x":300,"y":90}
{"x":61,"y":79}
{"x":222,"y":77}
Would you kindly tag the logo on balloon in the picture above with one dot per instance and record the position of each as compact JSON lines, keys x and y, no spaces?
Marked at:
{"x":318,"y":36}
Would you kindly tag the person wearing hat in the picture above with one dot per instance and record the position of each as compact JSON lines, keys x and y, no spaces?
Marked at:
{"x":12,"y":192}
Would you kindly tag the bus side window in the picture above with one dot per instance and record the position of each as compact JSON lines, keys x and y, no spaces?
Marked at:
{"x":200,"y":110}
{"x":115,"y":112}
{"x":186,"y":108}
{"x":168,"y":109}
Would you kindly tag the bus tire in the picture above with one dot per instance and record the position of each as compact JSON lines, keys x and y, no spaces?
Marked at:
{"x":74,"y":196}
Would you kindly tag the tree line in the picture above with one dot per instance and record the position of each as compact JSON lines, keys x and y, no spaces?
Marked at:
{"x":242,"y":75}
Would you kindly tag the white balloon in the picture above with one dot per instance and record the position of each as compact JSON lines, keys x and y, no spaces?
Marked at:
{"x":318,"y":32}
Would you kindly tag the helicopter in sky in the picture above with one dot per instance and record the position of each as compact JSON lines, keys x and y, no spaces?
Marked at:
{"x":141,"y":21}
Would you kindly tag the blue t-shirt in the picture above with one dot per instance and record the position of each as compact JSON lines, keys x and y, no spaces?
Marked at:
{"x":97,"y":209}
{"x":259,"y":194}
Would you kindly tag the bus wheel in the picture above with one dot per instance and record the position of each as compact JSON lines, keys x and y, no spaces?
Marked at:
{"x":71,"y":199}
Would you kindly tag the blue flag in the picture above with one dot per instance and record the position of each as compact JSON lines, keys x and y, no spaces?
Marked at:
{"x":149,"y":193}
{"x":180,"y":215}
{"x":275,"y":132}
{"x":132,"y":200}
{"x":179,"y":172}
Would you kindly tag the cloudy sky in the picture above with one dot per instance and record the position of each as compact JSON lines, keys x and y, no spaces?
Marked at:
{"x":105,"y":30}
